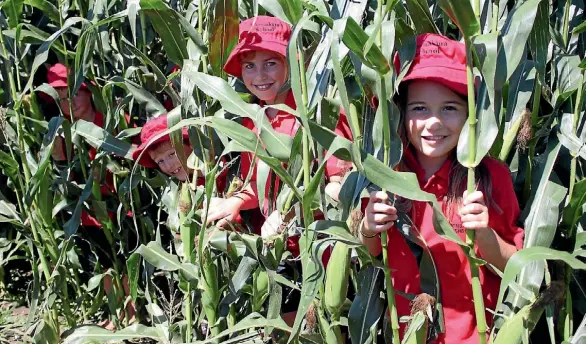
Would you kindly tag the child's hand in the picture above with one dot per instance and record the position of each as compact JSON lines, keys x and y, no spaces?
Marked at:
{"x":379,"y":215}
{"x":224,"y":209}
{"x":473,"y":213}
{"x":272,"y":225}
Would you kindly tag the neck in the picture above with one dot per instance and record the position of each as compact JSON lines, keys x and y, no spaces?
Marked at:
{"x":279,"y":99}
{"x":430,"y":165}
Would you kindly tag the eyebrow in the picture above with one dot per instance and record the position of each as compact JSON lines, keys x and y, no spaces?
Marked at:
{"x":265,"y":60}
{"x":418,"y":102}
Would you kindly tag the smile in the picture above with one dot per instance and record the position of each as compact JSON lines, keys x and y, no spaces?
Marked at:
{"x":177,"y":170}
{"x":433,"y":138}
{"x":263,"y":87}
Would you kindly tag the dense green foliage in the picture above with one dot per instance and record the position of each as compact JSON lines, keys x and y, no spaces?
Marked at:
{"x":529,"y":56}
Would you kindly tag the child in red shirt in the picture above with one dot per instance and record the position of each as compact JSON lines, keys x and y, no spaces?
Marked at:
{"x":433,"y":104}
{"x":91,"y":228}
{"x":160,"y":153}
{"x":259,"y":59}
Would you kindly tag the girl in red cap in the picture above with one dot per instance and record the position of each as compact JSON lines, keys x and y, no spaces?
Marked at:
{"x":160,"y":153}
{"x":433,"y":102}
{"x":81,"y":104}
{"x":259,"y":59}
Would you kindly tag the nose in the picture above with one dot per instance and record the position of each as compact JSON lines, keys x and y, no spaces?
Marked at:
{"x":166,"y":165}
{"x":262,"y":73}
{"x":434,"y":121}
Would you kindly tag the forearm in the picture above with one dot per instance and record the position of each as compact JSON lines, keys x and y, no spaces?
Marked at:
{"x":493,"y":248}
{"x":372,"y":244}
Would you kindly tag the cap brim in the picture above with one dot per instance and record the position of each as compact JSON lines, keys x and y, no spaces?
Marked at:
{"x":233,"y":66}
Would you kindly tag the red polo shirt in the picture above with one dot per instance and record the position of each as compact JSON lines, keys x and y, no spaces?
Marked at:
{"x":286,"y":123}
{"x":451,"y":263}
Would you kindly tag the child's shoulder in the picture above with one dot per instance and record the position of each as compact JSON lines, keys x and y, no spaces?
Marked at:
{"x":495,"y":166}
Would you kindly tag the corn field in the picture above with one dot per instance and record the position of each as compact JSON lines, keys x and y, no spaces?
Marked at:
{"x":194,"y":283}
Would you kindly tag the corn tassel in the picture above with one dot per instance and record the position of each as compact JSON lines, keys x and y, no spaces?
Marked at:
{"x":421,"y":316}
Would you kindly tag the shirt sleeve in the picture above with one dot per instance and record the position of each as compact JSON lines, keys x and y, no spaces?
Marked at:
{"x":504,"y":220}
{"x":335,"y":166}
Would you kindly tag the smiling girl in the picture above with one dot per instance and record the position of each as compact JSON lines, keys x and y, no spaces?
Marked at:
{"x":433,"y":104}
{"x":259,"y":60}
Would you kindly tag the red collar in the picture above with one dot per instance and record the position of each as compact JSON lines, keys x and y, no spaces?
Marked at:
{"x":414,"y":166}
{"x":289,"y":101}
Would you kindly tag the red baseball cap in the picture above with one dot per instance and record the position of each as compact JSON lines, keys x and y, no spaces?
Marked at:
{"x":57,"y":76}
{"x":438,"y":59}
{"x":259,"y":33}
{"x":151,"y":129}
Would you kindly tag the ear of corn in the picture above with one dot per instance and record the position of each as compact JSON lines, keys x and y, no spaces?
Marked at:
{"x":260,"y":290}
{"x":186,"y":229}
{"x":337,"y":274}
{"x":210,"y":296}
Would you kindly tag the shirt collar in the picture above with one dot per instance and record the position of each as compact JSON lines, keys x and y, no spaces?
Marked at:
{"x":289,"y":101}
{"x":414,"y":166}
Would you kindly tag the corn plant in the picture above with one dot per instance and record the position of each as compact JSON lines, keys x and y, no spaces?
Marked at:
{"x":192,"y":282}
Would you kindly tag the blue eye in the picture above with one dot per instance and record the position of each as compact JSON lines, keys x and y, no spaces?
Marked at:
{"x":248,"y":66}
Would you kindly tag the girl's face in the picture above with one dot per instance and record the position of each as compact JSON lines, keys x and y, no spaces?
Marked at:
{"x":81,"y":103}
{"x":435,"y":116}
{"x":166,"y":158}
{"x":264,"y":73}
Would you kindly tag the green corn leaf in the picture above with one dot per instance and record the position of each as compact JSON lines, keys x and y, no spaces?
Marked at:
{"x":152,"y":106}
{"x":293,"y":10}
{"x":421,"y":16}
{"x":45,"y":158}
{"x":579,"y":29}
{"x":96,"y":334}
{"x":516,"y":32}
{"x":313,"y":276}
{"x":367,"y":305}
{"x":277,"y":144}
{"x":43,"y":51}
{"x":539,"y":40}
{"x":101,"y":139}
{"x":575,"y":209}
{"x":532,"y":254}
{"x":133,"y":268}
{"x":487,"y":128}
{"x":46,"y":7}
{"x":461,"y":13}
{"x":157,"y":256}
{"x":168,"y":28}
{"x":13,"y":9}
{"x":224,"y":34}
{"x":355,"y":38}
{"x":520,"y":89}
{"x":566,"y":71}
{"x":540,"y":226}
